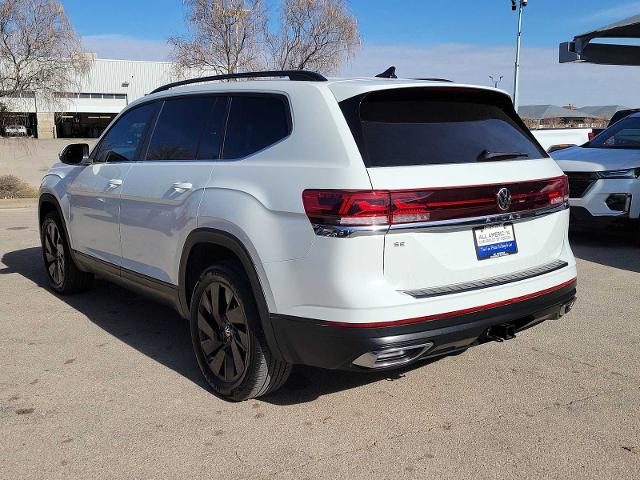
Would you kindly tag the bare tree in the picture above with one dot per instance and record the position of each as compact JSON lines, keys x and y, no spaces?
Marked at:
{"x":39,"y":49}
{"x":314,"y":34}
{"x":228,"y":36}
{"x":225,"y":36}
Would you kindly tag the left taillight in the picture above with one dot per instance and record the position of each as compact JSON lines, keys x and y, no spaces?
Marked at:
{"x":344,"y":207}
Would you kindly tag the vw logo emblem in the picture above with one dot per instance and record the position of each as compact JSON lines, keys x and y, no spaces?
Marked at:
{"x":503,"y":199}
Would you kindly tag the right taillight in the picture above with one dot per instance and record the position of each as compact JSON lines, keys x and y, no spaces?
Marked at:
{"x":557,"y":190}
{"x":384,"y":207}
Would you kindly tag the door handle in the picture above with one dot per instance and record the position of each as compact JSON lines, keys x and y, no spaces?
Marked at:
{"x":182,"y":186}
{"x":115,"y":183}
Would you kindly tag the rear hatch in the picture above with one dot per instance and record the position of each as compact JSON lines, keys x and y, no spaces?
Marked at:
{"x":472,"y":193}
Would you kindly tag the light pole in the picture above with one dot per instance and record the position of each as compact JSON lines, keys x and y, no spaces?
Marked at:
{"x":494,"y":81}
{"x":516,"y":75}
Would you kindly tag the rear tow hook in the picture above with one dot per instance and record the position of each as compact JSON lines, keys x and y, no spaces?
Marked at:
{"x":501,"y":332}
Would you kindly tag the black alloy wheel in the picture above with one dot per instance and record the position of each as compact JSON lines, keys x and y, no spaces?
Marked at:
{"x":223,"y":333}
{"x":226,"y":332}
{"x":62,"y":272}
{"x":54,"y":256}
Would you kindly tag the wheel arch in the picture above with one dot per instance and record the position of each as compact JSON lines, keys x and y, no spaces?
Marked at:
{"x":222,"y":245}
{"x":49,"y":203}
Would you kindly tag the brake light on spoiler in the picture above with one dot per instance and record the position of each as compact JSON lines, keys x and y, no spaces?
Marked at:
{"x":393,"y":207}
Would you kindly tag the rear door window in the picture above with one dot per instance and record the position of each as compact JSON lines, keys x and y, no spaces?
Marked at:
{"x":180,"y":126}
{"x":255,"y":122}
{"x":420,"y":126}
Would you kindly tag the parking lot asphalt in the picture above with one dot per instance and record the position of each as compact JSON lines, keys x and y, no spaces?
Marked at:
{"x":104,"y":385}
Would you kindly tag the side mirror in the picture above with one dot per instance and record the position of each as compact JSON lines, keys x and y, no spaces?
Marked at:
{"x":561,"y":146}
{"x":74,"y":153}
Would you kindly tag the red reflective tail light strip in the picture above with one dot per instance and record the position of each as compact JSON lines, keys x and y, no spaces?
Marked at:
{"x":384,"y":207}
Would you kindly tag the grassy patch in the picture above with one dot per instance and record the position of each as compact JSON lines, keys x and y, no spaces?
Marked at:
{"x":12,"y":187}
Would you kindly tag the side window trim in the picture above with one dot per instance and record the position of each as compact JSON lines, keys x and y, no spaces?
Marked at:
{"x":141,"y":155}
{"x":209,"y":123}
{"x":210,"y":120}
{"x":226,"y":128}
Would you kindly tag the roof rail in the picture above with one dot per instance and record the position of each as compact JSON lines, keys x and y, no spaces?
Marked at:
{"x":294,"y":75}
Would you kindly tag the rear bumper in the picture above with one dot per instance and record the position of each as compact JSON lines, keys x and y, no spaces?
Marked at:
{"x":336,"y":346}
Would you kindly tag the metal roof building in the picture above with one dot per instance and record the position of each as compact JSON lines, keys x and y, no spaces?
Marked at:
{"x":546,"y":112}
{"x":553,"y":116}
{"x":603,"y":111}
{"x":102,"y":93}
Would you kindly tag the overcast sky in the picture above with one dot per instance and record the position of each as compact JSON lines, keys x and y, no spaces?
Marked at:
{"x":463,"y":40}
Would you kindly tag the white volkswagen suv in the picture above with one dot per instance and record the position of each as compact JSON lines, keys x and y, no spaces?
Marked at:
{"x":357,"y":224}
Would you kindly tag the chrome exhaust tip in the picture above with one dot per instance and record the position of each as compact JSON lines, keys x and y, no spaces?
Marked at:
{"x":392,"y":357}
{"x":565,"y":308}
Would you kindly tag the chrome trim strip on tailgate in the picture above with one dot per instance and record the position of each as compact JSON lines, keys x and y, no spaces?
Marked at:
{"x":346,"y":231}
{"x":464,"y":223}
{"x":488,"y":282}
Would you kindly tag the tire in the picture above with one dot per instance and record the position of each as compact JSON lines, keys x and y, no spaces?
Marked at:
{"x":63,"y":274}
{"x":227,"y":338}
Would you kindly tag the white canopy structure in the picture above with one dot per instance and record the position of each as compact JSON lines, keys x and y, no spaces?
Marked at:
{"x":583,"y":49}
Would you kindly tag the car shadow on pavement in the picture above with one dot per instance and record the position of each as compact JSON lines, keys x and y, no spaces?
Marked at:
{"x":615,"y":248}
{"x":158,"y":332}
{"x":151,"y":328}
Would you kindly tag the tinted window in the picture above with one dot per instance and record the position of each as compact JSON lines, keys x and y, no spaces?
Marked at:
{"x":123,"y":139}
{"x":255,"y":122}
{"x":623,"y":134}
{"x":422,"y":127}
{"x":211,"y":141}
{"x":179,"y":128}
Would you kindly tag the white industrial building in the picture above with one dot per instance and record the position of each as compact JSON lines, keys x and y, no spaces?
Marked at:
{"x":106,"y":89}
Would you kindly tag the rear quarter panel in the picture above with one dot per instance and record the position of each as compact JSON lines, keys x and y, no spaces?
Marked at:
{"x":259,"y":199}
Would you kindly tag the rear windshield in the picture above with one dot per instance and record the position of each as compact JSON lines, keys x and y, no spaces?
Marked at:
{"x":424,"y":126}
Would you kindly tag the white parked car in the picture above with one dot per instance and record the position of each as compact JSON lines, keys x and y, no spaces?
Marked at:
{"x":15,"y":131}
{"x":604,"y":181}
{"x":357,"y":224}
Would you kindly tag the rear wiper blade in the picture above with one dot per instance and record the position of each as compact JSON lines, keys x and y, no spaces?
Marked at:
{"x":486,"y":155}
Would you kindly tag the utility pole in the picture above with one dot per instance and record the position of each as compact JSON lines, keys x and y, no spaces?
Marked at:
{"x":516,"y":76}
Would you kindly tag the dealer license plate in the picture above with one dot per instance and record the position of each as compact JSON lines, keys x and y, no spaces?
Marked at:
{"x":495,"y":241}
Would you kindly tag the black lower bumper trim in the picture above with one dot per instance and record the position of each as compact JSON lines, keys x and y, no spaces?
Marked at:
{"x":317,"y":343}
{"x":580,"y":216}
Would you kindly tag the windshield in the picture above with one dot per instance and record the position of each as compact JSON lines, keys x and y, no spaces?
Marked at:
{"x":624,"y":134}
{"x":416,"y":126}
